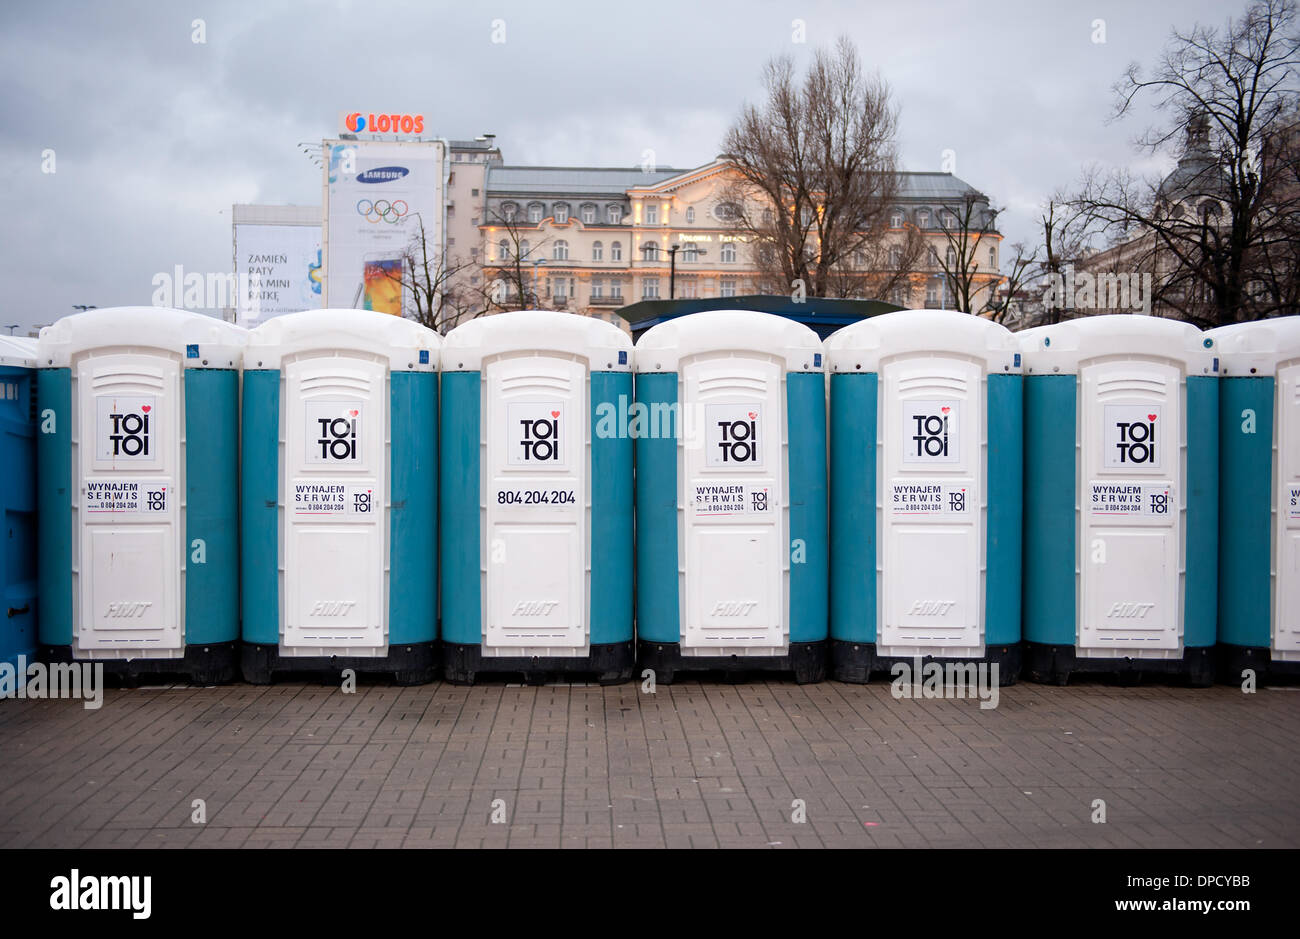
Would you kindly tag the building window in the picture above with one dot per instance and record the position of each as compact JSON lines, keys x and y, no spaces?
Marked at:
{"x":931,"y":294}
{"x":690,"y":213}
{"x":895,"y":219}
{"x":563,"y":286}
{"x":503,"y":250}
{"x":508,"y":211}
{"x":560,"y":251}
{"x":597,"y":288}
{"x":614,"y":214}
{"x":649,"y":288}
{"x":616,"y":290}
{"x":473,"y":192}
{"x":561,"y":212}
{"x":650,"y":251}
{"x":934,"y":256}
{"x":993,"y":259}
{"x":895,"y":257}
{"x":767,"y":216}
{"x":616,"y":251}
{"x":473,"y":254}
{"x":728,"y":252}
{"x":450,"y":242}
{"x":451,"y":209}
{"x":726,"y":211}
{"x":597,"y":251}
{"x":949,"y":220}
{"x":535,"y":212}
{"x":922,"y":218}
{"x":688,"y":289}
{"x":728,"y":287}
{"x":952,"y":256}
{"x":524,"y":250}
{"x":651,"y":214}
{"x":691,"y":253}
{"x":588,"y":214}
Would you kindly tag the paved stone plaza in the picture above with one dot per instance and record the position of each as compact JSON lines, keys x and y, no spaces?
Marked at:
{"x":694,"y":765}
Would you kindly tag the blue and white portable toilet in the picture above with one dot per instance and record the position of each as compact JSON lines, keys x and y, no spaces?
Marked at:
{"x":1259,"y":498}
{"x":537,"y":498}
{"x":18,"y":502}
{"x":1121,"y":498}
{"x":925,"y":473}
{"x":339,"y":506}
{"x":731,"y":496}
{"x":138,"y":454}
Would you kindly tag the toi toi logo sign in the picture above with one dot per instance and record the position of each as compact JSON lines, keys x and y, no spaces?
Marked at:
{"x":930,"y":432}
{"x":1131,"y":438}
{"x":331,"y":431}
{"x":534,"y":433}
{"x":732,"y":435}
{"x":125,"y":428}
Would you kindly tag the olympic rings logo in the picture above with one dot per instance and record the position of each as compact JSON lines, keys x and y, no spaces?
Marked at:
{"x":378,"y":210}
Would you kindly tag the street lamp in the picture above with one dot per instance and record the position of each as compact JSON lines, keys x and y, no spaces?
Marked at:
{"x":696,"y":251}
{"x":83,"y":307}
{"x":12,"y":327}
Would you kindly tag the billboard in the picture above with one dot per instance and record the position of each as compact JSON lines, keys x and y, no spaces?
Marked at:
{"x":378,"y":194}
{"x":278,"y":268}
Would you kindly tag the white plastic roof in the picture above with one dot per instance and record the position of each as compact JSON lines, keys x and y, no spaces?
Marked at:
{"x":538,"y":331}
{"x":727,"y":332}
{"x":345,"y":331}
{"x":140,"y":328}
{"x":17,"y":351}
{"x":1062,"y":348}
{"x":863,"y":345}
{"x":1258,"y":347}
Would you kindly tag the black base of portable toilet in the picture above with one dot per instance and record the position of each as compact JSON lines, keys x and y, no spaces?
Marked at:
{"x":214,"y":663}
{"x":609,"y":663}
{"x":414,"y":663}
{"x":856,"y":662}
{"x":807,"y":660}
{"x":1232,"y":660}
{"x":1055,"y":664}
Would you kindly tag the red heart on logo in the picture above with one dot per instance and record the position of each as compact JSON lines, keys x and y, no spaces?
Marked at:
{"x":945,"y":410}
{"x":145,"y":408}
{"x":1151,"y":417}
{"x":753,"y":415}
{"x":354,"y":413}
{"x":555,"y":414}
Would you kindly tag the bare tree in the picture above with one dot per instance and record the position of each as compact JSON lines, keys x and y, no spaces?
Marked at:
{"x":509,"y":277}
{"x":966,"y":225}
{"x":1221,"y":243}
{"x":816,"y":169}
{"x":1021,"y":270}
{"x":440,"y":298}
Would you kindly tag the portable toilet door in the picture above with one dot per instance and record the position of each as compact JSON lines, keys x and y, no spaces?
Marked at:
{"x":925,"y":481}
{"x":137,"y":453}
{"x":339,"y":504}
{"x":731,"y":496}
{"x":18,"y":545}
{"x":1121,"y":498}
{"x":537,"y":498}
{"x":1259,"y":499}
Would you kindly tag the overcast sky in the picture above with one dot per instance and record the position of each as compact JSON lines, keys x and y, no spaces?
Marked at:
{"x":155,"y":136}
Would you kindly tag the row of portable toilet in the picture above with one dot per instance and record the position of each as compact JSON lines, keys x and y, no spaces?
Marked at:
{"x":1053,"y":496}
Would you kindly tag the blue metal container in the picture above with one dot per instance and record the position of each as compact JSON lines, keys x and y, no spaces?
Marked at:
{"x":18,"y":503}
{"x":537,"y":498}
{"x":731,"y":496}
{"x":1121,"y":498}
{"x":925,"y":443}
{"x":1259,"y":499}
{"x":339,"y":502}
{"x":137,"y":492}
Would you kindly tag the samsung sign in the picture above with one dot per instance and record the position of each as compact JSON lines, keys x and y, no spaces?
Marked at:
{"x":382,"y":174}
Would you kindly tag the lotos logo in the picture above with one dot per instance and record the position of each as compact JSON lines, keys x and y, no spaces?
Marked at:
{"x":354,"y":122}
{"x":382,"y":174}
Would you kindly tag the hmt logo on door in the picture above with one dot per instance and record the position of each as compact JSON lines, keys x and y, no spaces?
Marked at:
{"x":130,"y":610}
{"x":534,"y":432}
{"x":534,"y":607}
{"x":733,"y":607}
{"x":1131,"y":438}
{"x":732,"y":435}
{"x":930,"y":432}
{"x":931,"y":607}
{"x":333,"y":607}
{"x":1129,"y":610}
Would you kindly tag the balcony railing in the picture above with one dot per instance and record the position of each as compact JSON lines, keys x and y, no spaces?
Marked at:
{"x":607,"y":301}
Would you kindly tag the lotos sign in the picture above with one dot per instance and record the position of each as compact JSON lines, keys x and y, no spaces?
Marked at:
{"x":357,"y":122}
